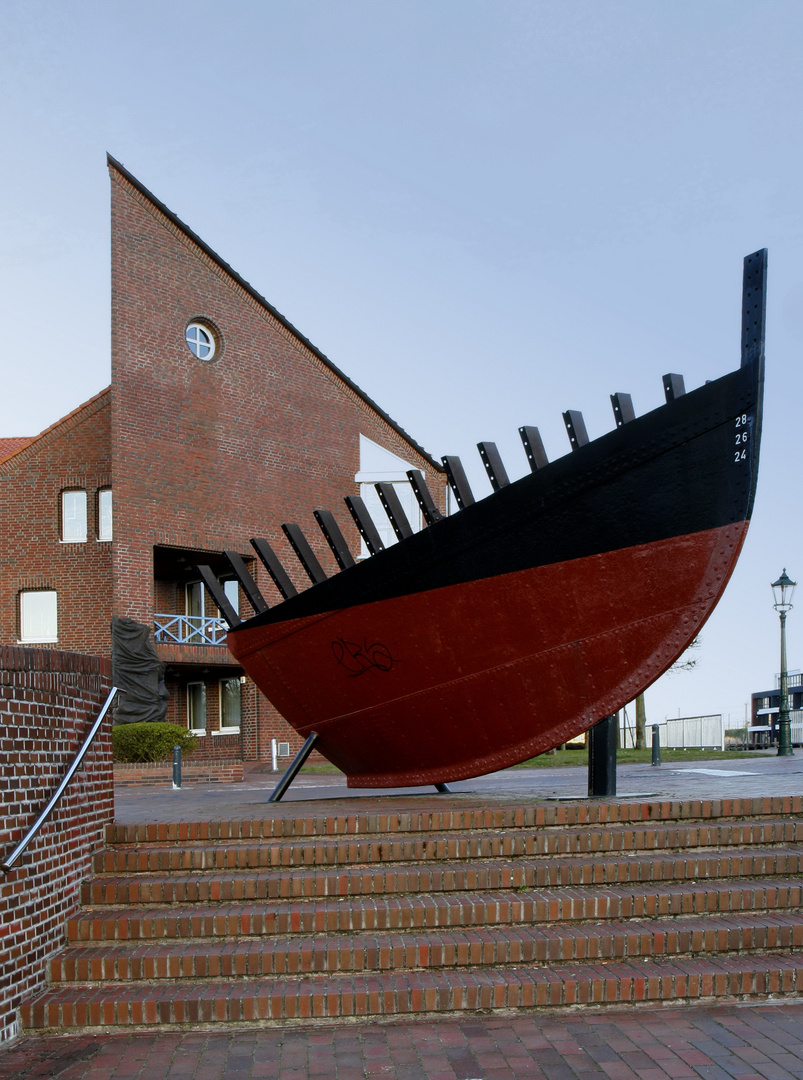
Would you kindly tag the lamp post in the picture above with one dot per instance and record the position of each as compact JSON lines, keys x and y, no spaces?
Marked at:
{"x":782,"y":591}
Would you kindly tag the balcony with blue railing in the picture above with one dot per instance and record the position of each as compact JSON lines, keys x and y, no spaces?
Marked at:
{"x":188,"y":630}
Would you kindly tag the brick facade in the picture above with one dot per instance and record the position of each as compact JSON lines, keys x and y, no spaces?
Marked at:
{"x":74,"y":453}
{"x":200,"y":456}
{"x":48,"y":701}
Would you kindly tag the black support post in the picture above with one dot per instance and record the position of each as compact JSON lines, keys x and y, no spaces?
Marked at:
{"x":458,"y":481}
{"x":533,"y":447}
{"x":294,"y":767}
{"x":575,"y":428}
{"x":176,"y":767}
{"x":602,"y":741}
{"x":673,"y":387}
{"x":423,"y":496}
{"x":497,"y":473}
{"x":656,"y":745}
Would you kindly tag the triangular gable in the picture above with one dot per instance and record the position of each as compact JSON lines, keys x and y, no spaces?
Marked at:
{"x":288,"y":326}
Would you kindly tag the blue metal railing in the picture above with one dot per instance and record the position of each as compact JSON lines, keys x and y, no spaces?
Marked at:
{"x":189,"y":629}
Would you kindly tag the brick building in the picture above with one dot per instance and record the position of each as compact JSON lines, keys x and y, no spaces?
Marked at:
{"x":221,"y":422}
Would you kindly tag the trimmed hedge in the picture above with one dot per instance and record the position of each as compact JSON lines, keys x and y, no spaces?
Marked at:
{"x":150,"y":742}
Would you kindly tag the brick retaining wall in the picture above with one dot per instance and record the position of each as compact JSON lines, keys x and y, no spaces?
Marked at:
{"x":48,"y":701}
{"x":192,"y":772}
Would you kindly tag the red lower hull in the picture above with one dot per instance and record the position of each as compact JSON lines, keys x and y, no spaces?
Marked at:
{"x":462,"y":680}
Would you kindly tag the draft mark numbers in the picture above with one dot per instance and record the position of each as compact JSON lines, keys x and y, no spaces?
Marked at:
{"x":742,"y":438}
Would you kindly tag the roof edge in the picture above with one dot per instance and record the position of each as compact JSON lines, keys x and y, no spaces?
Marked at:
{"x":17,"y":443}
{"x":213,"y":255}
{"x":72,"y":415}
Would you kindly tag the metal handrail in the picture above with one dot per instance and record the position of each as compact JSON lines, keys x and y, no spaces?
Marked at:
{"x":54,"y":798}
{"x":189,"y":629}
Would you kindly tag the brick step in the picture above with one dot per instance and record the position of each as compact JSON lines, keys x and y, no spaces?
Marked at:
{"x":209,"y":886}
{"x":489,"y":946}
{"x":243,"y":854}
{"x":413,"y":992}
{"x":461,"y":819}
{"x":456,"y":909}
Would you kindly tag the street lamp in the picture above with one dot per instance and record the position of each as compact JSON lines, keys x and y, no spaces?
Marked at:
{"x":782,"y":591}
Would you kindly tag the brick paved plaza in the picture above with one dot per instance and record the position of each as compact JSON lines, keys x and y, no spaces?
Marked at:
{"x":758,"y":1042}
{"x":720,"y":778}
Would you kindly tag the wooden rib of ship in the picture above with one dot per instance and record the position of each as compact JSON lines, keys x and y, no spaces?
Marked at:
{"x":515,"y":624}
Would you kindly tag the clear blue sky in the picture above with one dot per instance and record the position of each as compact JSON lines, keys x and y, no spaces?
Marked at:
{"x":484,"y":212}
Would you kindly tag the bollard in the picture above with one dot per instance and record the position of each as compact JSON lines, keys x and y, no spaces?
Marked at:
{"x":656,"y":745}
{"x":176,"y":767}
{"x":274,"y":756}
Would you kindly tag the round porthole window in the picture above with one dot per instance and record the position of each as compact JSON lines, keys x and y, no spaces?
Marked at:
{"x":200,"y":339}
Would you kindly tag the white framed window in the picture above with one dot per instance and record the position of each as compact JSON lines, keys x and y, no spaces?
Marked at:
{"x":198,"y":607}
{"x":197,"y":603}
{"x":230,"y":704}
{"x":201,"y":341}
{"x":105,"y":518}
{"x":73,"y":517}
{"x":196,"y":707}
{"x":194,"y":599}
{"x":39,"y":620}
{"x":194,"y":604}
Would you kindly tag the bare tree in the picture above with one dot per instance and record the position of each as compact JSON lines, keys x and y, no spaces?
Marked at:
{"x":641,"y":723}
{"x":686,"y":662}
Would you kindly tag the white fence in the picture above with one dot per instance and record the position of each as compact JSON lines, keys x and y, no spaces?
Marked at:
{"x":698,"y":732}
{"x":687,"y":732}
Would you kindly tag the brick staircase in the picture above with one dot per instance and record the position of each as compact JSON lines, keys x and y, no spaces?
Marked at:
{"x":453,"y":909}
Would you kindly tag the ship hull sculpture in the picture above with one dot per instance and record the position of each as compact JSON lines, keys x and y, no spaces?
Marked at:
{"x":514,"y":625}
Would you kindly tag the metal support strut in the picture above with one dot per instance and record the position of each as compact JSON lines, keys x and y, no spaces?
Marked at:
{"x":294,"y":768}
{"x":602,"y":740}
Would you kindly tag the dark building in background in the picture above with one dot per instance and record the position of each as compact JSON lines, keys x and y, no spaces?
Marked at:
{"x":765,"y":705}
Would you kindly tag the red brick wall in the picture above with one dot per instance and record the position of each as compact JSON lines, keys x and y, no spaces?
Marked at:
{"x":207,"y":455}
{"x":210,"y":454}
{"x":74,"y":453}
{"x":48,"y":701}
{"x":200,"y":456}
{"x":160,"y":773}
